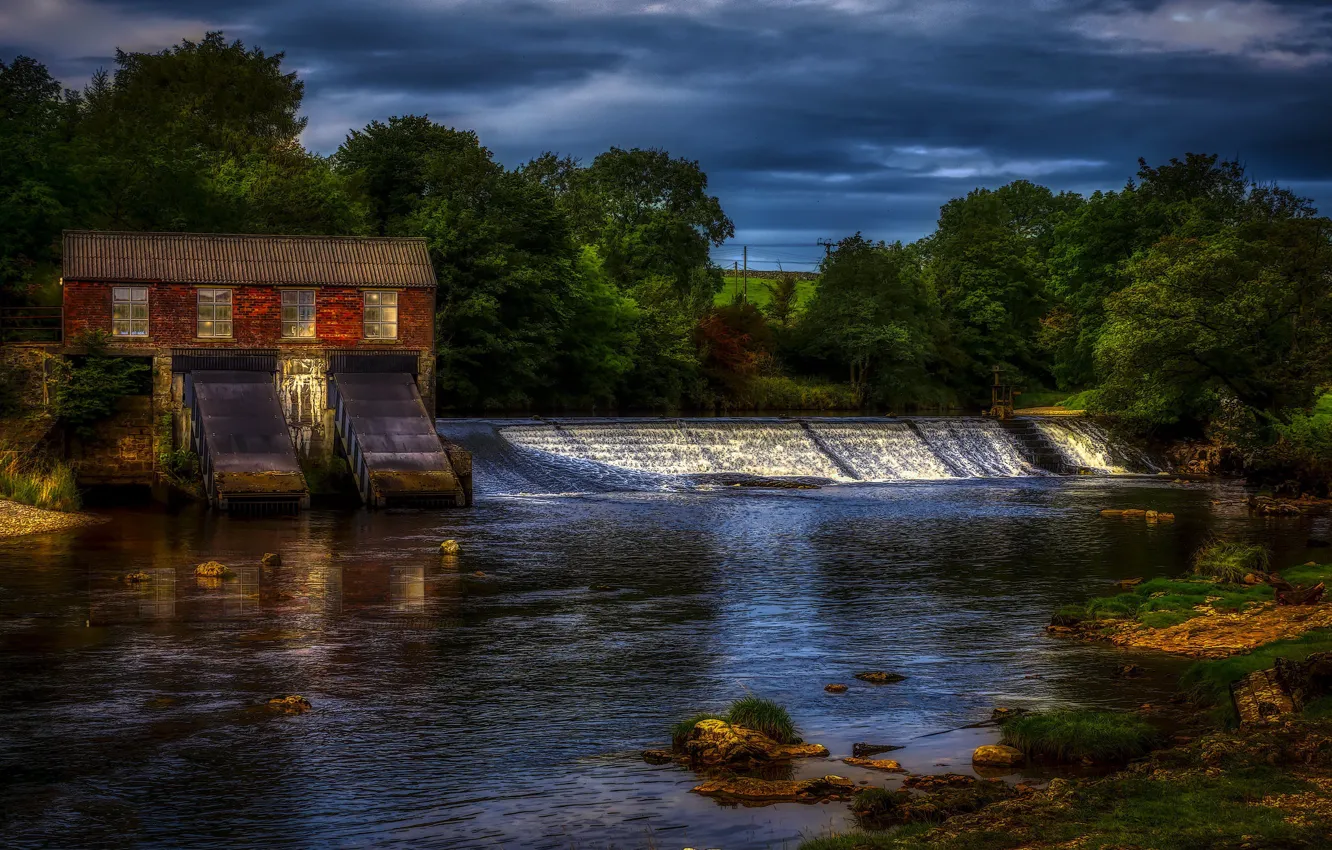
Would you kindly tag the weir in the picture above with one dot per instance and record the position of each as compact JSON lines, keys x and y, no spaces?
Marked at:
{"x":240,"y":435}
{"x":391,"y":444}
{"x":860,"y":449}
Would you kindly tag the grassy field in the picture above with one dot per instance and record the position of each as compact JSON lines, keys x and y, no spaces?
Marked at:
{"x":759,"y":294}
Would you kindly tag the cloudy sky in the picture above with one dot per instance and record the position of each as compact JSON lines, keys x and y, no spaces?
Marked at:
{"x":813,"y":118}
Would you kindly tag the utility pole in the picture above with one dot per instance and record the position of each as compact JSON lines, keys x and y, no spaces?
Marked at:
{"x":746,"y":274}
{"x":735,"y":278}
{"x":827,"y":248}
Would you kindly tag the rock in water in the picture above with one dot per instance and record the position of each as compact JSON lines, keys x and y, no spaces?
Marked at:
{"x":1130,"y":671}
{"x":212,"y":569}
{"x":448,"y":547}
{"x":716,"y":742}
{"x":760,"y":791}
{"x":290,"y":704}
{"x":878,"y":677}
{"x":835,"y":689}
{"x":875,"y":764}
{"x":998,"y":755}
{"x":1111,"y":512}
{"x":135,"y":578}
{"x":866,"y":750}
{"x":999,"y":715}
{"x":271,"y":559}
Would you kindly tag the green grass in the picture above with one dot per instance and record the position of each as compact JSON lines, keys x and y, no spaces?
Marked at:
{"x":751,"y":712}
{"x":1078,"y":401}
{"x":1039,"y":398}
{"x":1164,"y":602}
{"x":1074,"y":735}
{"x":1208,"y":682}
{"x":51,"y":487}
{"x":1323,"y":409}
{"x":759,"y":294}
{"x":1230,"y":561}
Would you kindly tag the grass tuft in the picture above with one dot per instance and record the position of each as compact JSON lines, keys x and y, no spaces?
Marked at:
{"x":765,"y":716}
{"x":50,"y":487}
{"x":1229,"y":561}
{"x":1074,"y":735}
{"x":751,"y":712}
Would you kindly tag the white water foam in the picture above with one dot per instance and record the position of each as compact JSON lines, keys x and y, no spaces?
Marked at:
{"x":976,"y":448}
{"x":882,"y":451}
{"x":1082,"y":443}
{"x":761,"y":448}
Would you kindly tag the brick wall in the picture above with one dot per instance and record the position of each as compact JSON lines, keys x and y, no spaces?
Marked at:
{"x":256,"y":317}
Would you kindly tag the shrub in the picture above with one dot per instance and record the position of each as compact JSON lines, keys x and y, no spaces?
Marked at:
{"x":87,"y":392}
{"x":1073,"y":735}
{"x":765,"y":716}
{"x":1230,"y":561}
{"x":51,"y":487}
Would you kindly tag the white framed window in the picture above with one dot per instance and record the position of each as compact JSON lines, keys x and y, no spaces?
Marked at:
{"x":129,"y":311}
{"x":381,"y":315}
{"x":298,"y":313}
{"x":213,"y":307}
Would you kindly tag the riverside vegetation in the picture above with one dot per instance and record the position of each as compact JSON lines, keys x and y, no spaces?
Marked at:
{"x":566,"y":285}
{"x":1198,"y":773}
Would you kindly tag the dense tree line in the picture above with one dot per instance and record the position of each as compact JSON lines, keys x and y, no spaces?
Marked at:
{"x":1191,"y":297}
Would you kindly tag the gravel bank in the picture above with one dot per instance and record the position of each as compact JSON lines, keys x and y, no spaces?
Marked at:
{"x":16,"y":519}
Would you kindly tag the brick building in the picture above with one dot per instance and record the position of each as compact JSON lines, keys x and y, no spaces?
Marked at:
{"x":302,"y":309}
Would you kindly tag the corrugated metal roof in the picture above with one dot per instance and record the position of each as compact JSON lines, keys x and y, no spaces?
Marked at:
{"x":244,"y":258}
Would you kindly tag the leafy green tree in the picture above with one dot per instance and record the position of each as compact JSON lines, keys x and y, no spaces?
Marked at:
{"x":988,"y":262}
{"x":1243,"y":313}
{"x":875,"y":314}
{"x":781,"y":306}
{"x":600,"y":340}
{"x":89,"y":388}
{"x":35,"y":178}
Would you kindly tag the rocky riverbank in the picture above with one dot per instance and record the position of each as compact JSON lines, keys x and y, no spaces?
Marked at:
{"x":17,"y":519}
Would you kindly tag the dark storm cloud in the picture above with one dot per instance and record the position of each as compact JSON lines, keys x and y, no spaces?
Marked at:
{"x":812,"y":117}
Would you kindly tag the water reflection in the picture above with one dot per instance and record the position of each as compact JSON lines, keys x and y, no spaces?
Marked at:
{"x":462,"y":710}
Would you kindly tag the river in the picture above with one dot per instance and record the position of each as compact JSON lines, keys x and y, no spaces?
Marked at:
{"x":501,"y":698}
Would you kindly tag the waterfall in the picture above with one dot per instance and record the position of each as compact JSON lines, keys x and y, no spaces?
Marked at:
{"x":882,"y":451}
{"x":653,"y":453}
{"x":1085,"y":444}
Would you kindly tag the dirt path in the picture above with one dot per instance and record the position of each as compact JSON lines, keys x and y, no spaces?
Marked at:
{"x":16,"y":519}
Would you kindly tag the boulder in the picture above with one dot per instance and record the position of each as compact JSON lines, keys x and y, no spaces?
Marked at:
{"x":1300,"y":595}
{"x":835,"y":689}
{"x":271,"y":559}
{"x":875,"y":764}
{"x":290,"y":704}
{"x":658,"y":756}
{"x":1128,"y":583}
{"x":135,"y":578}
{"x":1130,"y":671}
{"x":1151,"y":516}
{"x":750,"y":791}
{"x":1111,"y":512}
{"x":1164,"y":516}
{"x":212,"y":569}
{"x":879,"y":677}
{"x":715,"y":742}
{"x":998,"y":755}
{"x":448,"y":547}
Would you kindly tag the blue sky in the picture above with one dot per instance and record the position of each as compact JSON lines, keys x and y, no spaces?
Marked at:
{"x":813,"y":118}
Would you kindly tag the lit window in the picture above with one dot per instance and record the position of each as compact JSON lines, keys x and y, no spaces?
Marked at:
{"x":381,"y":315}
{"x":214,"y":308}
{"x":129,"y":311}
{"x":298,"y":313}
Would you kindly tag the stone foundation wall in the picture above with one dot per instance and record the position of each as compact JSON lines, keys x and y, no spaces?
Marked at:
{"x":123,"y":451}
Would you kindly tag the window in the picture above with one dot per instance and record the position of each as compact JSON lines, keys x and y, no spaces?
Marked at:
{"x":214,"y":313}
{"x":381,"y":315}
{"x":298,"y":313}
{"x":129,"y":311}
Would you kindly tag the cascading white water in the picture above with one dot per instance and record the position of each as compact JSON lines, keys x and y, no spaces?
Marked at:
{"x":976,"y":448}
{"x":662,"y":447}
{"x":761,"y":448}
{"x":1083,"y":444}
{"x":882,"y":451}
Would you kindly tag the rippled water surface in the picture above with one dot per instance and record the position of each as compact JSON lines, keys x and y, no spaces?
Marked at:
{"x":507,"y":709}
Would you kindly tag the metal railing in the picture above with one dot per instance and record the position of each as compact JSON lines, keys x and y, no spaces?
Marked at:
{"x":32,"y":324}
